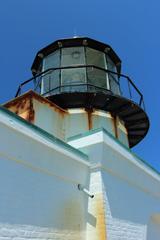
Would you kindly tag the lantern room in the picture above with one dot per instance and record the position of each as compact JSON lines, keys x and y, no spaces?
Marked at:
{"x":77,"y":65}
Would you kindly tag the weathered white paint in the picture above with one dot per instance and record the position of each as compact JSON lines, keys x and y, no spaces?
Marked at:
{"x":64,"y":126}
{"x":39,"y":197}
{"x":63,"y":123}
{"x":130,"y":189}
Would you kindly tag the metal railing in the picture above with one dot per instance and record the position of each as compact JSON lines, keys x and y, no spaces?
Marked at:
{"x":127,"y":88}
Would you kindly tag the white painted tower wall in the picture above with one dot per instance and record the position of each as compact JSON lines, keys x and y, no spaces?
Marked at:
{"x":39,"y":175}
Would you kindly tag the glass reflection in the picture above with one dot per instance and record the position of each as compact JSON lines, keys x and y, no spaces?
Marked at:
{"x":113,"y":78}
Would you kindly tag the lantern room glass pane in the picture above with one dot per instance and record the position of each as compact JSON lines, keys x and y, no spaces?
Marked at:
{"x":95,"y":57}
{"x":52,"y":60}
{"x":111,"y":67}
{"x":51,"y":80}
{"x":73,"y":56}
{"x":113,"y":78}
{"x":75,"y":78}
{"x":97,"y":77}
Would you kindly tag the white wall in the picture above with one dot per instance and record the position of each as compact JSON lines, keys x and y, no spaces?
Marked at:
{"x":128,"y":209}
{"x":39,"y":197}
{"x":63,"y":123}
{"x":130,"y":189}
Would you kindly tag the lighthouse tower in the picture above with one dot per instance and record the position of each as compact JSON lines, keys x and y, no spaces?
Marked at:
{"x":86,"y":116}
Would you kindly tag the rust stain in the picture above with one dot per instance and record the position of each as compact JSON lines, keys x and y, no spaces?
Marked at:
{"x":17,"y":105}
{"x":23,"y":106}
{"x":101,"y":220}
{"x":31,"y":112}
{"x":17,"y":101}
{"x":20,"y":108}
{"x":115,"y":127}
{"x":45,"y":101}
{"x":31,"y":94}
{"x":61,"y":112}
{"x":90,"y":116}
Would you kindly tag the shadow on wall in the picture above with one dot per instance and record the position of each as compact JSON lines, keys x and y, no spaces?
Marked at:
{"x":153,"y":228}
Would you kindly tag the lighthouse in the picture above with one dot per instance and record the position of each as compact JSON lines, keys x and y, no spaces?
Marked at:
{"x":81,"y":73}
{"x":76,"y":125}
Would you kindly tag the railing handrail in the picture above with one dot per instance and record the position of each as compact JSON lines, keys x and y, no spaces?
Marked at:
{"x":82,"y":66}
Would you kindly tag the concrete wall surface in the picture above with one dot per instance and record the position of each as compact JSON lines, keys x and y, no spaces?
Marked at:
{"x":127,"y":191}
{"x":39,"y":197}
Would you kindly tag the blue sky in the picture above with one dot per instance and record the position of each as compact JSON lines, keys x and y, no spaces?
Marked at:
{"x":131,"y":27}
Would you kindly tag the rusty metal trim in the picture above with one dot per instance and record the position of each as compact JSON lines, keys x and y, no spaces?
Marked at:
{"x":44,"y":134}
{"x":32,"y":94}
